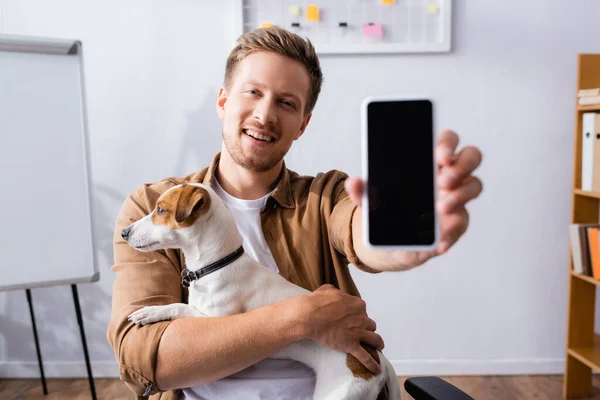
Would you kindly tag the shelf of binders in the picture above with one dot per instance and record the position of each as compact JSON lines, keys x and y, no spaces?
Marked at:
{"x":583,"y":343}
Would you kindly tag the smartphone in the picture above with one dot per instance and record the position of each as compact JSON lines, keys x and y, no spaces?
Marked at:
{"x":399,"y":170}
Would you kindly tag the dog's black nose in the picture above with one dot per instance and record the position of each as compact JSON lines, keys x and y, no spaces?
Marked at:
{"x":125,"y":233}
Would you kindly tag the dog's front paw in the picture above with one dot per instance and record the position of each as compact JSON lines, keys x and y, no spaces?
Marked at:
{"x":148,"y":315}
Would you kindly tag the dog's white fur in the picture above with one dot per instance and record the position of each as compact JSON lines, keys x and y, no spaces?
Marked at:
{"x":243,"y":286}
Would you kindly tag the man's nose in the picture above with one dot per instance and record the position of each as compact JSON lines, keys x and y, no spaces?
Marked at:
{"x":125,"y":233}
{"x":266,"y":112}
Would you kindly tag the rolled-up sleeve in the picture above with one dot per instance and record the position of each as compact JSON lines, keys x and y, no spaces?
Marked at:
{"x":341,"y":226}
{"x":141,"y":279}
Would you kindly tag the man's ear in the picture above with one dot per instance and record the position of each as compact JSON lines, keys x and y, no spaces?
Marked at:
{"x":221,"y":100}
{"x":193,"y":201}
{"x":303,"y":126}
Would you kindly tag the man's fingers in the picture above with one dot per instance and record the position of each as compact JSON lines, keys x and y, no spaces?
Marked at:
{"x":454,"y":227}
{"x":371,"y":325}
{"x":470,"y":189}
{"x":373,"y":340}
{"x":467,"y":160}
{"x":355,"y":188}
{"x":366,"y":359}
{"x":326,"y":286}
{"x":445,"y":147}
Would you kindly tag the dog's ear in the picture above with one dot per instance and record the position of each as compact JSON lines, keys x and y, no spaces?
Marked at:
{"x":192,"y":199}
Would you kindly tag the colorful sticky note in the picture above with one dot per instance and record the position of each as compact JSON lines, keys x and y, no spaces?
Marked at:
{"x":266,"y":25}
{"x":387,"y":1}
{"x":372,"y":30}
{"x":312,"y":13}
{"x":432,"y":9}
{"x":294,"y":10}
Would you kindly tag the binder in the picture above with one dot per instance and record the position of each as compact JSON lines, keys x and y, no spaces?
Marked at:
{"x":590,"y":152}
{"x":580,"y":247}
{"x":594,"y":251}
{"x":586,"y":259}
{"x":574,"y":238}
{"x":596,"y":153}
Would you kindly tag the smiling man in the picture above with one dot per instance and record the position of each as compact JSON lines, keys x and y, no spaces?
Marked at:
{"x":306,"y":228}
{"x":263,"y":106}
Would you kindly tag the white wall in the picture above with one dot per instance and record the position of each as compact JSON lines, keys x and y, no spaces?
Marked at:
{"x":496,"y":303}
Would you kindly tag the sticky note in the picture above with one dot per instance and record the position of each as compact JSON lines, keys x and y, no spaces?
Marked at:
{"x":294,"y":10}
{"x":432,"y":9}
{"x":387,"y":1}
{"x":312,"y":13}
{"x":372,"y":30}
{"x":266,"y":25}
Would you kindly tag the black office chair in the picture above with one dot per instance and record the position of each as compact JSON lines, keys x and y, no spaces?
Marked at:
{"x":433,"y":388}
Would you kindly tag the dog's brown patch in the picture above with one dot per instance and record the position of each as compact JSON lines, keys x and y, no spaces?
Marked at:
{"x":167,"y":203}
{"x":359,"y":370}
{"x":193,"y":202}
{"x":181,"y":207}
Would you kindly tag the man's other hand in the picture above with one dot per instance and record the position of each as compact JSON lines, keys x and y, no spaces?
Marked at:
{"x":339,"y":321}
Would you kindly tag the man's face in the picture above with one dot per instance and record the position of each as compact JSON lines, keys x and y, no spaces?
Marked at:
{"x":263,"y":110}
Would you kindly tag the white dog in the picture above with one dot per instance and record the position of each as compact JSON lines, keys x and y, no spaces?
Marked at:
{"x":193,"y":218}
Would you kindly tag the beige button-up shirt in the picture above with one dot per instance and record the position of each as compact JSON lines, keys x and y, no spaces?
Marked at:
{"x":306,"y":223}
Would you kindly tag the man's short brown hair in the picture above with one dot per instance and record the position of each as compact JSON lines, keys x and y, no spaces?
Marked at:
{"x":283,"y":42}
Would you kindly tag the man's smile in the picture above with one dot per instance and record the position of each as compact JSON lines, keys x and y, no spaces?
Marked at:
{"x":258,"y":136}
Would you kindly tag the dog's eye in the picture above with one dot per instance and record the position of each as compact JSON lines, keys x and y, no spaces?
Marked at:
{"x":160,"y":211}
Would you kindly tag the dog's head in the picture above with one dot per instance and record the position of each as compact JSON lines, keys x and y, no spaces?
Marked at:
{"x":177,"y":218}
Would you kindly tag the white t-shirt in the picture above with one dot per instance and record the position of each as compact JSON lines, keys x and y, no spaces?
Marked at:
{"x":270,"y":378}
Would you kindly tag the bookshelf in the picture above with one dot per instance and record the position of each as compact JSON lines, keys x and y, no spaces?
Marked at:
{"x":583,"y":344}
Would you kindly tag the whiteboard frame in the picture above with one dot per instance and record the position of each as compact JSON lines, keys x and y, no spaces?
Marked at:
{"x":34,"y":44}
{"x":364,"y":48}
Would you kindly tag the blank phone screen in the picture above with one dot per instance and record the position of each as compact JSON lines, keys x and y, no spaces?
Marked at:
{"x":400,"y":184}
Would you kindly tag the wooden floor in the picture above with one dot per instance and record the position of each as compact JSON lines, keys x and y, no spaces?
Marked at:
{"x":480,"y":388}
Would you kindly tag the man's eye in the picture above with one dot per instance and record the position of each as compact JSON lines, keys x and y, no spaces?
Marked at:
{"x":288,"y":104}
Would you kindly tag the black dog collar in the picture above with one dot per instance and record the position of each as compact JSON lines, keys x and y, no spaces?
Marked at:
{"x":188,"y":276}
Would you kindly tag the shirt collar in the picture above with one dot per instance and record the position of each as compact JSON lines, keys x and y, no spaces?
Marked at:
{"x":282,"y":193}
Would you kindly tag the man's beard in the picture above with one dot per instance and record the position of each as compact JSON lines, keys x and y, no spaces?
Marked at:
{"x":253,"y":162}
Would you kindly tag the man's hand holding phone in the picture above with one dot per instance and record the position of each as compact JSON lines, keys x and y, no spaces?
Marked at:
{"x":455,"y":185}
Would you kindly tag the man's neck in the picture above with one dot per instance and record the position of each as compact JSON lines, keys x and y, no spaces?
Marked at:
{"x":245,"y":184}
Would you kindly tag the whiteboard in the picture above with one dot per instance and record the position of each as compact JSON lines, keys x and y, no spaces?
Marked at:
{"x":355,"y":26}
{"x":46,"y":218}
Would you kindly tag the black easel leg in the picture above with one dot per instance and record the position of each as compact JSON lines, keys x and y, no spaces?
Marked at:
{"x":83,"y":342}
{"x":37,"y":343}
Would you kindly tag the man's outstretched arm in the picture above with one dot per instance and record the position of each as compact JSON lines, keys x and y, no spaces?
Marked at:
{"x":456,"y":187}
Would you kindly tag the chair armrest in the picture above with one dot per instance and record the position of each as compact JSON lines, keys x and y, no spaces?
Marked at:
{"x":433,"y":388}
